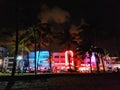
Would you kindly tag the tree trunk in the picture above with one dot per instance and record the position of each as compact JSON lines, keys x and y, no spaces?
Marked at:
{"x":103,"y":63}
{"x":16,"y":45}
{"x":90,"y":65}
{"x":97,"y":62}
{"x":16,"y":52}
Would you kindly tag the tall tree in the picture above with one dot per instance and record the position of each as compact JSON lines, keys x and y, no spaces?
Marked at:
{"x":101,"y":54}
{"x":59,"y":22}
{"x":63,"y":34}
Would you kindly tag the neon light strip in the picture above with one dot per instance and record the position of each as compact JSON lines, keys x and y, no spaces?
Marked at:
{"x":66,"y":57}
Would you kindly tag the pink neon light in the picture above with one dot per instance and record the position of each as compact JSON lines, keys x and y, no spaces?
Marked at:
{"x":93,"y":59}
{"x":66,"y":57}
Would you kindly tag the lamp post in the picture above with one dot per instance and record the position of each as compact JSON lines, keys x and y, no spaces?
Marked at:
{"x":35,"y":48}
{"x":35,"y":28}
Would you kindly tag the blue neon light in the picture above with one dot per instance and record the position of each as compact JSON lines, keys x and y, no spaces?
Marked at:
{"x":42,"y":59}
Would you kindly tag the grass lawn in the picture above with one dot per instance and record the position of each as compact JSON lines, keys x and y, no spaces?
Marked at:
{"x":20,"y":74}
{"x":4,"y":74}
{"x":16,"y":74}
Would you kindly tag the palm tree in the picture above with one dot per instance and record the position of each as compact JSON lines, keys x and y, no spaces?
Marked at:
{"x":99,"y":56}
{"x":11,"y":42}
{"x":101,"y":53}
{"x":31,"y":36}
{"x":39,"y":35}
{"x":22,"y":46}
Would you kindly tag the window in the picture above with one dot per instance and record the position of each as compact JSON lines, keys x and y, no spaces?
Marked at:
{"x":56,"y":56}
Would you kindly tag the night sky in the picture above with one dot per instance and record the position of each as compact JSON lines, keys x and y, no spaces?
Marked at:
{"x":102,"y":15}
